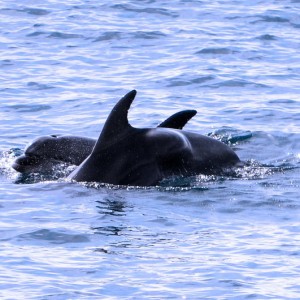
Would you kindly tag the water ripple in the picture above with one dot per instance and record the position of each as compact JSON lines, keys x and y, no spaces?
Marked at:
{"x":107,"y":36}
{"x":39,"y":86}
{"x":29,"y":108}
{"x":62,"y":35}
{"x":182,"y":80}
{"x":53,"y":237}
{"x":238,"y":83}
{"x":235,"y":236}
{"x":221,"y":51}
{"x":267,"y":37}
{"x":149,"y":10}
{"x":29,"y":10}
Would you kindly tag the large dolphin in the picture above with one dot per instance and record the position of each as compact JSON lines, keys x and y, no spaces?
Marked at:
{"x":124,"y":155}
{"x":46,"y":152}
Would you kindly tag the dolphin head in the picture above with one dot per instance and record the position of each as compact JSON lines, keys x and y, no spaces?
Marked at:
{"x":40,"y":156}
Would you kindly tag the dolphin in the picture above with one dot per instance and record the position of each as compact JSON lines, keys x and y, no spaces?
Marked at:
{"x":46,"y":152}
{"x":124,"y":155}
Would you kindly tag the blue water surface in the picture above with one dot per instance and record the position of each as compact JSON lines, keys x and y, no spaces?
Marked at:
{"x":63,"y":67}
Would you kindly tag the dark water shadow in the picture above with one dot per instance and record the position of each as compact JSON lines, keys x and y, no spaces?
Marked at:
{"x":53,"y":237}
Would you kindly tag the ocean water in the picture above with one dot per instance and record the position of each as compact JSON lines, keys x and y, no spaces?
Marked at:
{"x":63,"y":67}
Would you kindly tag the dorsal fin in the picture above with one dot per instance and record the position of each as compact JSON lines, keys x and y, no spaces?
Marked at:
{"x":178,"y":120}
{"x":117,"y":122}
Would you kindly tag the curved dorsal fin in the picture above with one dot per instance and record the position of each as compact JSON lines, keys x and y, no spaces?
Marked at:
{"x":117,"y":122}
{"x":178,"y":120}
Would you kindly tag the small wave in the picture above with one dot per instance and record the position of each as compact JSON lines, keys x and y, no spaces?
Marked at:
{"x":62,"y":35}
{"x":182,"y":82}
{"x":181,"y":183}
{"x":253,"y":170}
{"x":30,"y":11}
{"x":218,"y":51}
{"x":108,"y":230}
{"x":36,"y":33}
{"x":29,"y":108}
{"x":274,"y":19}
{"x":112,"y":204}
{"x":109,"y":186}
{"x":267,"y":37}
{"x":289,"y":162}
{"x":230,"y":136}
{"x":236,"y":83}
{"x":173,"y":183}
{"x":36,"y":11}
{"x":295,"y":25}
{"x":283,"y":101}
{"x":6,"y":160}
{"x":39,"y":86}
{"x":148,"y":35}
{"x":148,"y":10}
{"x":107,"y":36}
{"x":116,"y":35}
{"x":54,"y":237}
{"x":6,"y":62}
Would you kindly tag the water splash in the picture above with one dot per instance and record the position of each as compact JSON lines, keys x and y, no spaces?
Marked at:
{"x":6,"y":160}
{"x":230,"y":136}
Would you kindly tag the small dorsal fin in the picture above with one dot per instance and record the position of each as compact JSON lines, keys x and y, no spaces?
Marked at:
{"x":117,"y":122}
{"x":178,"y":120}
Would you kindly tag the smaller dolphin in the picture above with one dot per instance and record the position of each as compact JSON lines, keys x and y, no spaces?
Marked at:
{"x":46,"y":152}
{"x":124,"y":155}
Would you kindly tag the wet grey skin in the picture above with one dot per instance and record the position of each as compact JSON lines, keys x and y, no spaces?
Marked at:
{"x":46,"y":152}
{"x":124,"y":155}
